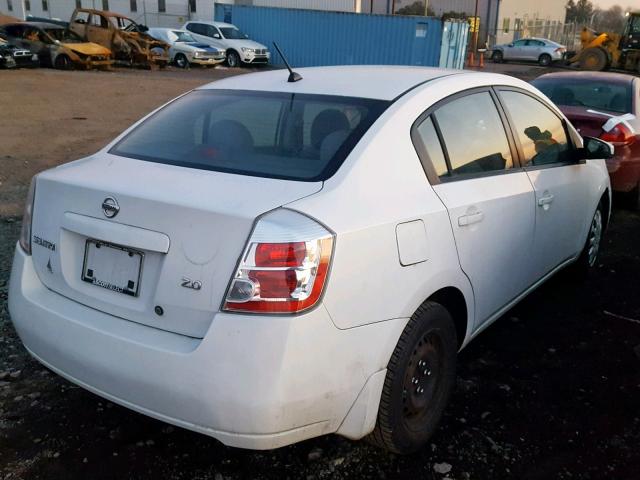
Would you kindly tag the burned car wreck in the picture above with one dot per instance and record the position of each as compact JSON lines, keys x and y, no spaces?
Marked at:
{"x":128,"y":41}
{"x":57,"y":46}
{"x":12,"y":56}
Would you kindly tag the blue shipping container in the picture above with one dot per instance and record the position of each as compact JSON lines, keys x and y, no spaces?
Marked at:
{"x":311,"y":37}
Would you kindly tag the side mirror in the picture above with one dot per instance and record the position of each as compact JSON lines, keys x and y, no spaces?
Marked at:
{"x":510,"y":45}
{"x":216,"y":35}
{"x":595,"y":149}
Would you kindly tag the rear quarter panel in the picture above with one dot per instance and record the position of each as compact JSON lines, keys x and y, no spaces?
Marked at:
{"x":380,"y":185}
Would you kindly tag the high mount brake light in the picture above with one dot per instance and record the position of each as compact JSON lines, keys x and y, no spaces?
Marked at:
{"x":620,"y":135}
{"x":284,"y":266}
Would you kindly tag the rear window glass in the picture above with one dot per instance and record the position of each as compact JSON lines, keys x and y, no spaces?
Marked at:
{"x":596,"y":94}
{"x":265,"y":134}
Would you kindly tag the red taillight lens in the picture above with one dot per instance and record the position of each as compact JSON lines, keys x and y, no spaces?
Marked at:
{"x":620,"y":135}
{"x":280,"y":254}
{"x":275,"y":283}
{"x":281,"y":276}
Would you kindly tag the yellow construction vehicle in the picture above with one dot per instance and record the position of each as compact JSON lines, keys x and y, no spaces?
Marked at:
{"x":601,"y":51}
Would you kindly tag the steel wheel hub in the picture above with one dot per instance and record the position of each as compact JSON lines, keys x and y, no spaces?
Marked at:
{"x":421,"y":380}
{"x":595,"y":235}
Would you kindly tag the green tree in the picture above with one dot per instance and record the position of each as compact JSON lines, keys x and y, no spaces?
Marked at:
{"x":416,"y":8}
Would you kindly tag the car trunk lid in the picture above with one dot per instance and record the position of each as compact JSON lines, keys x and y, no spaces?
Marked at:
{"x":176,"y":237}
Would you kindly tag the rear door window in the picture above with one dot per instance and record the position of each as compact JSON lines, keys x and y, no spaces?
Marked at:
{"x":267,"y":134}
{"x":540,"y":131}
{"x":428,"y":136}
{"x":474,"y":136}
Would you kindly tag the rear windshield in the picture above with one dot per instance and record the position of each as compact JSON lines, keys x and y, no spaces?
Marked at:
{"x":595,"y":94}
{"x":264,"y":134}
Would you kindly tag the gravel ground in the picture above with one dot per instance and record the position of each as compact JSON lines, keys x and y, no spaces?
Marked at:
{"x":551,"y":390}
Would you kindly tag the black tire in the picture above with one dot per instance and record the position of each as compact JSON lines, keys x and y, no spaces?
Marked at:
{"x":233,"y":59}
{"x":497,"y":57}
{"x":63,"y":62}
{"x":420,"y":377}
{"x":589,"y":256}
{"x":633,"y":198}
{"x":181,"y":61}
{"x":594,"y":59}
{"x":545,"y":60}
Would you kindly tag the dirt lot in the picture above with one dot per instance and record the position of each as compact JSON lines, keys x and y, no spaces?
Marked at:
{"x":552,"y":390}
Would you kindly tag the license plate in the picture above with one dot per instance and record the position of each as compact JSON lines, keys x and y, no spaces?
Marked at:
{"x":112,"y":267}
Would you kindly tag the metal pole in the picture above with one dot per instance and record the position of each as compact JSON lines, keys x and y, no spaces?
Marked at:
{"x":426,"y":8}
{"x":393,"y":7}
{"x":476,"y":25}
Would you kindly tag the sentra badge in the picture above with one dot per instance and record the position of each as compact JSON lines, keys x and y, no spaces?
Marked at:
{"x":44,"y":243}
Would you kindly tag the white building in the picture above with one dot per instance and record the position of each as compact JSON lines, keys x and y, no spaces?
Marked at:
{"x":154,"y":13}
{"x":518,"y":18}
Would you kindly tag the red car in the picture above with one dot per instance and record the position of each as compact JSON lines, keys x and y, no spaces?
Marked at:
{"x":604,"y":105}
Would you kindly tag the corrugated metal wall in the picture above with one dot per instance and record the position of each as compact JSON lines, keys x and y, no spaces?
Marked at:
{"x":311,"y":38}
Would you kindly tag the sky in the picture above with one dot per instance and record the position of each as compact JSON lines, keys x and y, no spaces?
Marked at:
{"x":604,"y":4}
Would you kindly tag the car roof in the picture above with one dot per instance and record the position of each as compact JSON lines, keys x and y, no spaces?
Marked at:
{"x":46,"y":25}
{"x":610,"y":77}
{"x":364,"y":81}
{"x":166,"y":29}
{"x":215,"y":24}
{"x":105,"y":13}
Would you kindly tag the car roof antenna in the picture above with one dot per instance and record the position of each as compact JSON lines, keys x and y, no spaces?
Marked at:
{"x":293,"y":76}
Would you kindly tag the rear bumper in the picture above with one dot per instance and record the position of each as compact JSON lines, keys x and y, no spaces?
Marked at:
{"x":256,"y":382}
{"x":624,"y":172}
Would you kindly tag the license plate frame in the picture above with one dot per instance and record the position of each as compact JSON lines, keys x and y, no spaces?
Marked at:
{"x":132,"y":288}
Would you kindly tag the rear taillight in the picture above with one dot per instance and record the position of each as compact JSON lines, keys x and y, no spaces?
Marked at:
{"x":620,"y":135}
{"x":25,"y":233}
{"x":284,"y":266}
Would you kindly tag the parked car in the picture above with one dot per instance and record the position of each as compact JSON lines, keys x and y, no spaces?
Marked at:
{"x":128,"y":41}
{"x":278,"y":277}
{"x":12,"y":56}
{"x":186,"y":50}
{"x":229,"y":37}
{"x":604,"y":105}
{"x":540,"y":50}
{"x":57,"y":46}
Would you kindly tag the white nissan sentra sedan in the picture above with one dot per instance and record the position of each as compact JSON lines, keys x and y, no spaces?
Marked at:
{"x":264,"y":261}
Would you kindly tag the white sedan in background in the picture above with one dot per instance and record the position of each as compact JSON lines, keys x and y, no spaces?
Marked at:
{"x":304,"y":258}
{"x":186,"y":50}
{"x":541,"y":50}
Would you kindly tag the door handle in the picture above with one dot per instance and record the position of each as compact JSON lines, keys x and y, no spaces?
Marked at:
{"x":465,"y":220}
{"x":546,"y":200}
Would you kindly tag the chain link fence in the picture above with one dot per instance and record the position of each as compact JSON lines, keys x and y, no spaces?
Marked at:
{"x":567,"y":34}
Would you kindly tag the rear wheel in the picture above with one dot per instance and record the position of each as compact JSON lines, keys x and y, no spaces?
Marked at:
{"x":419,"y":381}
{"x":594,"y":59}
{"x":497,"y":57}
{"x":63,"y":62}
{"x":589,"y":255}
{"x":181,"y":61}
{"x":545,"y":60}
